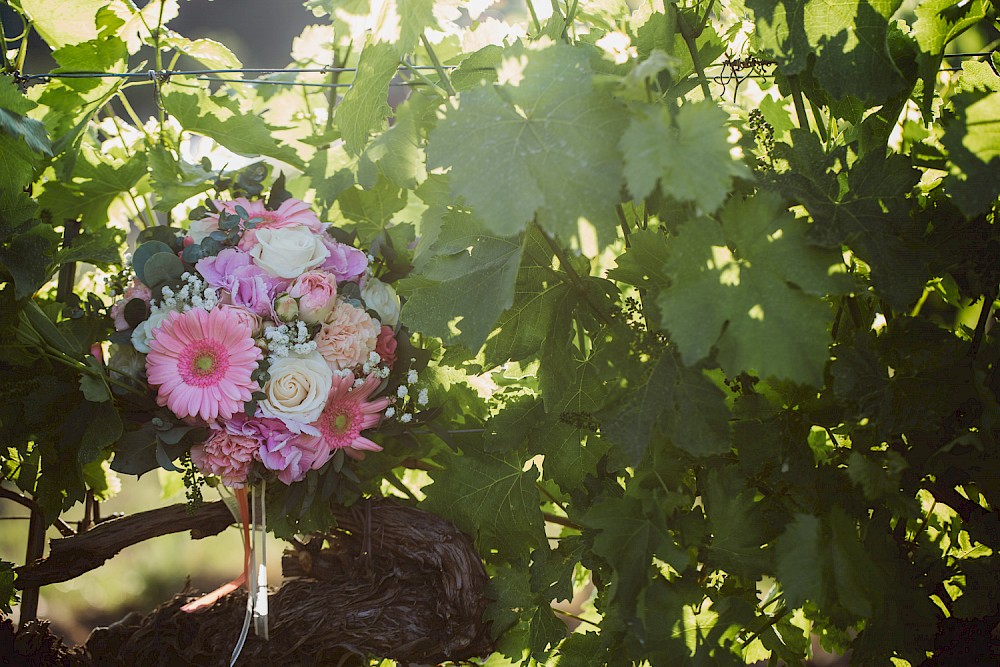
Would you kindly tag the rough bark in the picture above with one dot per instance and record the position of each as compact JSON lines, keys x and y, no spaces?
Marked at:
{"x":389,"y":581}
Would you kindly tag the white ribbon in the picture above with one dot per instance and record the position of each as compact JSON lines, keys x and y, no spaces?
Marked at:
{"x":257,"y":577}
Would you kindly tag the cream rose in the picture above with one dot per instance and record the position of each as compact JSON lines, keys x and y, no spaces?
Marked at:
{"x":297,"y":391}
{"x":288,"y":252}
{"x":143,"y":333}
{"x":381,"y":298}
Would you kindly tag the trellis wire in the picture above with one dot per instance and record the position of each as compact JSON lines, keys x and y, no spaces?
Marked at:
{"x":734,"y":65}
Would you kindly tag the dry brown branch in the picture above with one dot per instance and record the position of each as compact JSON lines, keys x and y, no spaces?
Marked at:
{"x":72,"y":556}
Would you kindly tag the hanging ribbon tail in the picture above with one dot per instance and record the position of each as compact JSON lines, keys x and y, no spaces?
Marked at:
{"x":259,"y":586}
{"x":206,"y":601}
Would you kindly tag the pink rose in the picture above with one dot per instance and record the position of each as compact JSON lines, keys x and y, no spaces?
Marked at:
{"x":385,"y":346}
{"x":316,"y":292}
{"x":135,"y":290}
{"x":249,"y":318}
{"x":348,"y":337}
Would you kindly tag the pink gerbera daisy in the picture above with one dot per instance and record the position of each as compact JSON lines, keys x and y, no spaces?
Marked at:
{"x":349,"y":412}
{"x":202,"y":362}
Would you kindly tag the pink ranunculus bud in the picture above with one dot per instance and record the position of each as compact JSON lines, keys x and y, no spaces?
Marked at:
{"x":316,"y":292}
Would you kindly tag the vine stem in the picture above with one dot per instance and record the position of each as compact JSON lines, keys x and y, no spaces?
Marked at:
{"x":771,"y":622}
{"x":534,"y":15}
{"x":574,"y":277}
{"x":445,"y":79}
{"x":423,"y":78}
{"x":690,"y":39}
{"x":581,"y":619}
{"x":984,"y":317}
{"x":161,"y":114}
{"x":800,"y":107}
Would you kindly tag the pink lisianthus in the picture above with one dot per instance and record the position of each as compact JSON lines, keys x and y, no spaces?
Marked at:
{"x":201,"y":362}
{"x":348,"y":412}
{"x":344,"y":261}
{"x":135,"y":290}
{"x":385,"y":346}
{"x":226,"y":455}
{"x":348,"y":336}
{"x":248,"y":285}
{"x":316,"y":293}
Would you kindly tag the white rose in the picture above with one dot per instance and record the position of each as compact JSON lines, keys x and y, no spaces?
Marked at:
{"x":143,"y":333}
{"x":297,"y":390}
{"x":199,"y":229}
{"x":381,"y":298}
{"x":287,"y":252}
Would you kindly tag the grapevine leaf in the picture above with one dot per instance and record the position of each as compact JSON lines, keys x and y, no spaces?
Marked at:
{"x":222,"y":119}
{"x":397,"y":151}
{"x":570,"y":453}
{"x":738,"y":526}
{"x":522,"y":329}
{"x":175,"y":181}
{"x":543,"y":149}
{"x":688,"y":154}
{"x":210,"y":53}
{"x":103,"y":430}
{"x":869,"y":215}
{"x":627,"y":534}
{"x":752,"y":286}
{"x":373,"y":208}
{"x":490,"y":497}
{"x":799,"y":560}
{"x":469,"y":282}
{"x":938,"y":22}
{"x":365,"y":106}
{"x":14,"y":123}
{"x":61,"y":22}
{"x":642,"y":262}
{"x":631,"y":425}
{"x":27,"y":257}
{"x":972,"y":137}
{"x":848,"y":37}
{"x":681,"y":403}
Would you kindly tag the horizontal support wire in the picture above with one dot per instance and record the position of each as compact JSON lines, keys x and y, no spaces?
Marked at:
{"x":164,"y":75}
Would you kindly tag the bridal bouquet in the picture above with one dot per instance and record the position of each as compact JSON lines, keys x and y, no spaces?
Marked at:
{"x":265,"y":338}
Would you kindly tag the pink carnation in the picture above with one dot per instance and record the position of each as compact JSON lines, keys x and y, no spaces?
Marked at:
{"x":348,"y":336}
{"x":293,"y":455}
{"x":226,"y":455}
{"x":202,"y":362}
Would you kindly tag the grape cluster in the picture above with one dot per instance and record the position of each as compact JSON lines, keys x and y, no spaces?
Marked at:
{"x":764,"y":134}
{"x":193,"y":479}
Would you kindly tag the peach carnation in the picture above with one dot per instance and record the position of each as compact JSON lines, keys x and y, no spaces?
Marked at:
{"x":348,"y":336}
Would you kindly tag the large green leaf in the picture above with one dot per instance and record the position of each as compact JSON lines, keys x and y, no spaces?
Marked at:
{"x":542,"y":146}
{"x":492,"y":498}
{"x":869,"y":214}
{"x":466,"y":284}
{"x":848,"y":37}
{"x":687,"y":153}
{"x":62,"y":22}
{"x":222,"y":119}
{"x":938,"y":22}
{"x":366,"y":106}
{"x":972,"y":137}
{"x":752,"y":286}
